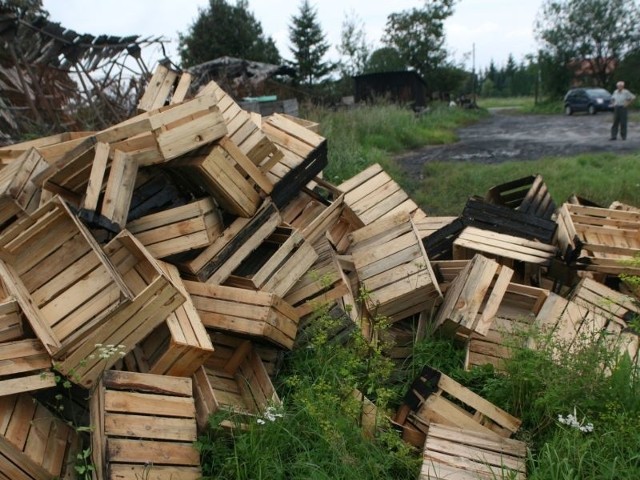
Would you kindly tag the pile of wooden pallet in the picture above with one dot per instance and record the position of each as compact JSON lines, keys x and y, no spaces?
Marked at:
{"x":165,"y":265}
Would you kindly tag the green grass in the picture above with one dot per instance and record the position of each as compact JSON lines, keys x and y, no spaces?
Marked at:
{"x":601,"y":178}
{"x":506,"y":102}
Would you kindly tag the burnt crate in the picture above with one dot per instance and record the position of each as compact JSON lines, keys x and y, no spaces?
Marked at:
{"x":34,"y":443}
{"x":179,"y":345}
{"x":228,"y":175}
{"x":436,"y":398}
{"x":509,"y":329}
{"x":438,"y":234}
{"x":497,"y":218}
{"x":151,"y":296}
{"x":304,"y":156}
{"x":25,"y":366}
{"x":599,"y":239}
{"x":373,"y":194}
{"x":456,"y":453}
{"x":393,"y":268}
{"x":238,"y":383}
{"x":216,"y":262}
{"x":528,"y":195}
{"x":259,"y":315}
{"x":473,"y":298}
{"x":180,"y":229}
{"x":277,"y":264}
{"x":144,"y":426}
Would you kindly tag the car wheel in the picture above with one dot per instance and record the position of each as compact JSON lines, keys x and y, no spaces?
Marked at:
{"x":568,"y":110}
{"x":591,"y":110}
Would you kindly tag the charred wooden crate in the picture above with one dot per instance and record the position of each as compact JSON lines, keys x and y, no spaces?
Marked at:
{"x":19,"y":194}
{"x":228,"y":175}
{"x":76,"y":296}
{"x":261,"y":315}
{"x":238,"y":384}
{"x":528,"y":195}
{"x":314,"y":210}
{"x":457,"y":453}
{"x":602,"y":240}
{"x":436,"y":398}
{"x":509,"y":329}
{"x":11,"y":320}
{"x":34,"y":443}
{"x":393,"y":268}
{"x":179,"y":345}
{"x":528,"y":258}
{"x":473,"y":298}
{"x":156,"y":190}
{"x":497,"y":218}
{"x":304,"y":157}
{"x":438,"y":234}
{"x":373,"y":194}
{"x":144,"y":426}
{"x":277,"y":264}
{"x":215,"y":263}
{"x":322,"y":283}
{"x":25,"y":366}
{"x":176,"y":230}
{"x":331,"y":323}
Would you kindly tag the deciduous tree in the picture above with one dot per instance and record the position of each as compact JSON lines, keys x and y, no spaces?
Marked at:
{"x":223,"y":29}
{"x":353,"y":46}
{"x":597,"y":33}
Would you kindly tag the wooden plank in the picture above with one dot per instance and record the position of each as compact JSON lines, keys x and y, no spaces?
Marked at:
{"x":98,"y":168}
{"x":152,"y":452}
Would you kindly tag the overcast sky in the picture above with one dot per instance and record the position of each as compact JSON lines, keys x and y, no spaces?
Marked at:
{"x":496,"y":27}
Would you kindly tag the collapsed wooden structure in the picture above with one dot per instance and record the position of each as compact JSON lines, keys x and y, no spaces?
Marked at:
{"x":166,"y":264}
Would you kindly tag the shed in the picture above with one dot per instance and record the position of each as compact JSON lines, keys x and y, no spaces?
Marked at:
{"x":406,"y":87}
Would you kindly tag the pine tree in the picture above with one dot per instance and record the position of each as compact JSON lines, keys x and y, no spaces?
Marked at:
{"x":308,"y":45}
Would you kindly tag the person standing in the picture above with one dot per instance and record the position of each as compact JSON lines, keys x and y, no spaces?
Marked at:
{"x":621,"y":98}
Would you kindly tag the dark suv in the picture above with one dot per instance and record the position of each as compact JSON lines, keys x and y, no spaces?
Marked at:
{"x":590,"y":100}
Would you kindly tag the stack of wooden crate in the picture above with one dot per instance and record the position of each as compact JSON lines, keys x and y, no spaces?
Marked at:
{"x":165,"y":265}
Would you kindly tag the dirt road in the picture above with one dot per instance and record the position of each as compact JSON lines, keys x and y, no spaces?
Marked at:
{"x":507,"y":135}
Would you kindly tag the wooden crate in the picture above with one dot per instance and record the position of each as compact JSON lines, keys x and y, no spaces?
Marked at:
{"x":501,"y":219}
{"x":438,"y":234}
{"x":260,"y":315}
{"x":335,"y":324}
{"x":144,"y":426}
{"x":25,"y":366}
{"x":473,"y":298}
{"x":216,"y":262}
{"x":34,"y":444}
{"x":156,"y":190}
{"x":239,"y":384}
{"x":277,"y":264}
{"x":11,"y":320}
{"x":228,"y":175}
{"x":596,"y":239}
{"x":19,"y":195}
{"x":457,"y":453}
{"x":314,"y":210}
{"x":11,"y":152}
{"x":159,"y":89}
{"x":224,"y":344}
{"x":176,"y":230}
{"x":243,"y":131}
{"x":347,"y":223}
{"x":393,"y":268}
{"x":151,"y":297}
{"x":615,"y":306}
{"x":304,"y":156}
{"x":373,"y":194}
{"x":322,"y":283}
{"x":528,"y":195}
{"x":526,"y":257}
{"x":436,"y":398}
{"x":446,"y":271}
{"x":179,"y":345}
{"x":509,"y":329}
